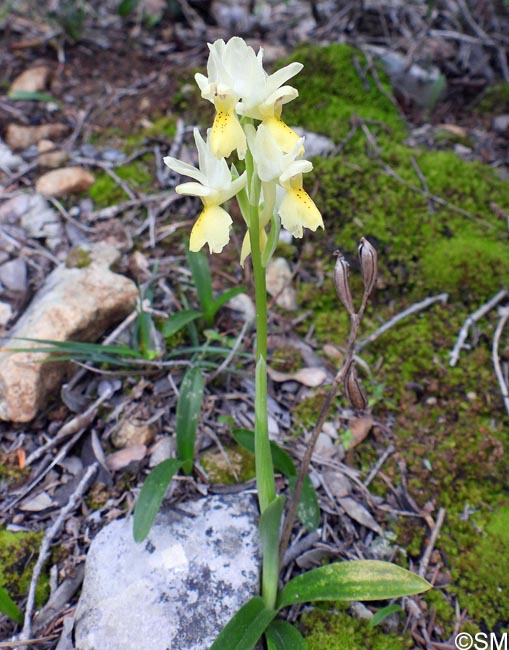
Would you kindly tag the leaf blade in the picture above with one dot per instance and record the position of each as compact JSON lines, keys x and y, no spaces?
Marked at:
{"x":188,"y":412}
{"x":9,"y":607}
{"x":281,"y":635}
{"x":354,"y":580}
{"x":246,"y":627}
{"x":151,"y":496}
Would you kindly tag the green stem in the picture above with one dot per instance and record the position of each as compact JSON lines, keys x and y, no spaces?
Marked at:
{"x":265,"y":483}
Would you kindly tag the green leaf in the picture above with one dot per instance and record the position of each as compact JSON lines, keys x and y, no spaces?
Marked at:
{"x":188,"y":412}
{"x":246,"y":627}
{"x":227,"y":295}
{"x":355,"y":580}
{"x":308,"y":510}
{"x":9,"y":607}
{"x":31,"y":96}
{"x":126,"y":7}
{"x":384,"y":613}
{"x":200,"y":271}
{"x":151,"y":496}
{"x":178,"y":320}
{"x":280,"y":635}
{"x":269,"y":527}
{"x":272,"y":240}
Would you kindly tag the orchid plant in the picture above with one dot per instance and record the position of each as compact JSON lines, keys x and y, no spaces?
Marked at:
{"x":248,"y":103}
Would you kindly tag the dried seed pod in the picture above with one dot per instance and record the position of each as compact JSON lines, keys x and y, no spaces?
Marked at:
{"x":354,"y":390}
{"x":369,"y":265}
{"x":341,"y":272}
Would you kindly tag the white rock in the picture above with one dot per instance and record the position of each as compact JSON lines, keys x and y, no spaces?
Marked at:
{"x":73,"y":304}
{"x":35,"y":215}
{"x":180,"y":587}
{"x":279,"y":283}
{"x":5,"y":313}
{"x":9,"y":160}
{"x":13,"y":274}
{"x":32,"y":80}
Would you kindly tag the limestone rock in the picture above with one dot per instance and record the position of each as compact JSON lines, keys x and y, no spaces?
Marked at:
{"x":32,"y":80}
{"x":133,"y":432}
{"x":50,"y":155}
{"x":21,"y":137}
{"x":180,"y":587}
{"x":68,"y":180}
{"x":74,"y":304}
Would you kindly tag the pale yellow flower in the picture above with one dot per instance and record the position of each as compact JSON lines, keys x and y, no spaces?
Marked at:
{"x":214,"y":186}
{"x":237,"y":84}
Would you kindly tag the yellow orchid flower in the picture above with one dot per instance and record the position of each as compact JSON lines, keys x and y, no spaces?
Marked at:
{"x":295,"y":207}
{"x":237,"y":84}
{"x":214,"y":186}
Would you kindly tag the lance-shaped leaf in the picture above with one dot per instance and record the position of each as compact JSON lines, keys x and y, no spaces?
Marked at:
{"x":246,"y":627}
{"x":188,"y":412}
{"x":280,"y":635}
{"x":270,"y":526}
{"x":355,"y":580}
{"x":9,"y":607}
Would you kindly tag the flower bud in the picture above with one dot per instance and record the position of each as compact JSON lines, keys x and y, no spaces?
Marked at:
{"x":341,"y":272}
{"x":354,"y":390}
{"x":369,"y":265}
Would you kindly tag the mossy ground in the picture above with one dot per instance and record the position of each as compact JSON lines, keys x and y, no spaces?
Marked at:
{"x":449,"y":428}
{"x":18,"y":554}
{"x":440,"y":235}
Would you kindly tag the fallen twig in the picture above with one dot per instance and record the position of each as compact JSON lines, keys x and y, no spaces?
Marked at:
{"x":496,"y":360}
{"x":50,"y":535}
{"x":473,"y":318}
{"x":418,"y":306}
{"x":423,"y":567}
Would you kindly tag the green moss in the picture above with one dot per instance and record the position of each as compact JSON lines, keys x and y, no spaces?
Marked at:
{"x":480,"y":575}
{"x":495,"y":99}
{"x":106,"y":191}
{"x":475,"y":267}
{"x":324,"y":630}
{"x":78,"y":258}
{"x":307,"y":411}
{"x":332,"y":95}
{"x":18,"y":554}
{"x":237,"y":468}
{"x":286,"y":360}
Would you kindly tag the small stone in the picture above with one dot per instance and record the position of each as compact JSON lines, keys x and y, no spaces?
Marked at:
{"x":13,"y":275}
{"x":124,"y":457}
{"x":501,"y":123}
{"x":68,"y":180}
{"x":32,"y":80}
{"x":50,"y":155}
{"x":324,"y":446}
{"x":21,"y":137}
{"x":179,"y":588}
{"x":279,"y":283}
{"x":243,"y":304}
{"x":88,"y":150}
{"x":338,"y":483}
{"x":113,"y":155}
{"x":162,"y":450}
{"x":9,"y":160}
{"x":132,"y":432}
{"x":5,"y":313}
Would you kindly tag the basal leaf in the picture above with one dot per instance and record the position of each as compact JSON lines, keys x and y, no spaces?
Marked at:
{"x":280,"y":635}
{"x":188,"y":412}
{"x":269,"y":526}
{"x":246,"y":627}
{"x":355,"y":580}
{"x":178,"y":320}
{"x":308,"y":510}
{"x":151,"y":496}
{"x":9,"y":607}
{"x":383,"y":613}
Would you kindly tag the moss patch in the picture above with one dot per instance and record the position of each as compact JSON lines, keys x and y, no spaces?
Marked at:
{"x":18,"y":554}
{"x":237,"y":468}
{"x":106,"y":191}
{"x":325,"y":630}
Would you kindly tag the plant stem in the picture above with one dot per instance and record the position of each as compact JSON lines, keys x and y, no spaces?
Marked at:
{"x":263,"y":458}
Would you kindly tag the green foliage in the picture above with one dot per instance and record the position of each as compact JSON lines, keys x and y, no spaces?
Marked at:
{"x":495,"y":99}
{"x":9,"y":607}
{"x":151,"y":497}
{"x":202,"y":278}
{"x":269,"y":527}
{"x":280,"y":635}
{"x":355,"y":580}
{"x":188,"y":412}
{"x":178,"y":320}
{"x":246,"y":627}
{"x":384,"y":613}
{"x":308,"y":510}
{"x":31,"y":96}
